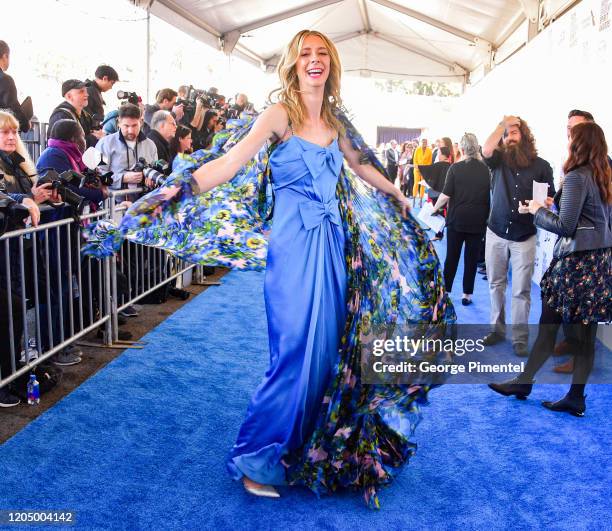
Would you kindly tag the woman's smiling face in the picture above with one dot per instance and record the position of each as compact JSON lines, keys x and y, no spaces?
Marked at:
{"x":313,"y":63}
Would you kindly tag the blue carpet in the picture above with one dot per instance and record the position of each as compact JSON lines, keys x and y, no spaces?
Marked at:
{"x":141,"y":445}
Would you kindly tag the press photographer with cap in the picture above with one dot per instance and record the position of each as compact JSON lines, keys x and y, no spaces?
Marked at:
{"x":73,"y":107}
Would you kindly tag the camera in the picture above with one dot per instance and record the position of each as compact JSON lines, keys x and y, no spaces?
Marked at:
{"x":92,"y":177}
{"x":130,"y":97}
{"x":12,"y":213}
{"x":95,"y":179}
{"x":61,"y":182}
{"x":96,"y":123}
{"x":209,"y":99}
{"x":156,"y":171}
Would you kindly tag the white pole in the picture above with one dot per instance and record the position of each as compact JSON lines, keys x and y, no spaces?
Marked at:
{"x":148,"y":53}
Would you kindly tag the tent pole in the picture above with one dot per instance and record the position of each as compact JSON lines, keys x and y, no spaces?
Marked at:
{"x":148,"y":91}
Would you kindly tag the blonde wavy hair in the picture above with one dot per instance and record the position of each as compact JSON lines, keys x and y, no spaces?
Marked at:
{"x":289,"y":92}
{"x":8,"y":121}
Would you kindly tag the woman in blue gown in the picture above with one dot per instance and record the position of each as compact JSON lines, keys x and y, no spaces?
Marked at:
{"x":305,"y":282}
{"x":342,"y":257}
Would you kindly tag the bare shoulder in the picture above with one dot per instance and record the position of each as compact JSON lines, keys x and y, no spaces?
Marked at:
{"x":275,"y":120}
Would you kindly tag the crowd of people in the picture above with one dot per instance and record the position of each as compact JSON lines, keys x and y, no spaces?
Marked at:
{"x":485,"y":193}
{"x":126,"y":138}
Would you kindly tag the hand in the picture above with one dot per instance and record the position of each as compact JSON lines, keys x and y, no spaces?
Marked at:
{"x":509,"y":121}
{"x":149,"y":182}
{"x":549,"y":202}
{"x":132,"y":177}
{"x":124,"y":204}
{"x":42,"y":193}
{"x":56,"y":197}
{"x":404,"y":204}
{"x":178,"y":111}
{"x":98,"y":133}
{"x":32,"y":207}
{"x":168,"y":192}
{"x":529,"y":207}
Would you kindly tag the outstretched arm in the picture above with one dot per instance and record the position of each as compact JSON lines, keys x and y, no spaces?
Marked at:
{"x":272,"y":122}
{"x":371,"y":175}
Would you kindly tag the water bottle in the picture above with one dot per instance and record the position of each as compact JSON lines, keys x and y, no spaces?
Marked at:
{"x":33,"y":391}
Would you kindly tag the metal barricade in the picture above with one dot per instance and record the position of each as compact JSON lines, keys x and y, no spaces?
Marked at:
{"x":35,"y":139}
{"x":51,"y":296}
{"x":142,"y":269}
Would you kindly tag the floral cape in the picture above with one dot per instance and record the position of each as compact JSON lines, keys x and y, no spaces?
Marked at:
{"x":363,"y":433}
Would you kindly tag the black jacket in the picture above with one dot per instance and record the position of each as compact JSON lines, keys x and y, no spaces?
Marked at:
{"x":392,"y":157}
{"x":96,"y":103}
{"x":584,"y":222}
{"x":8,"y":100}
{"x":65,"y":111}
{"x":14,"y":179}
{"x":163,"y":146}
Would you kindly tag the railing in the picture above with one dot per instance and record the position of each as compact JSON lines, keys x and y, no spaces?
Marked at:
{"x":51,"y":296}
{"x":146,"y":269}
{"x":35,"y":139}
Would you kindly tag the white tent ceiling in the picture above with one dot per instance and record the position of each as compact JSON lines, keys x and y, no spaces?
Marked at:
{"x":441,"y":40}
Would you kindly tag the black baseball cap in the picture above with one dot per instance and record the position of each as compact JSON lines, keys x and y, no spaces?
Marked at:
{"x":73,"y":84}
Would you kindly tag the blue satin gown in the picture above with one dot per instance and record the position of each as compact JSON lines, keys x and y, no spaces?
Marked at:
{"x":305,"y":295}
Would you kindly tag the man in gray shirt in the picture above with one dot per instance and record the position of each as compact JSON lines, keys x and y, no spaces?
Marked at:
{"x":122,"y":149}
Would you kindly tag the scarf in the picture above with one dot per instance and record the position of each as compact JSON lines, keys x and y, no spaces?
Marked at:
{"x":71,"y":150}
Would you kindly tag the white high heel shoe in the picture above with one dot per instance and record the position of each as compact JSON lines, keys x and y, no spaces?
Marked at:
{"x":263,"y":491}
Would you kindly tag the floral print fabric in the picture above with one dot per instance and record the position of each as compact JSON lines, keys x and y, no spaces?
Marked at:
{"x":363,"y":434}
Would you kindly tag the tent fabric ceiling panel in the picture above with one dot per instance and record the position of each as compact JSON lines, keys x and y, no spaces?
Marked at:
{"x":483,"y":18}
{"x":414,"y":39}
{"x":335,"y":21}
{"x":367,"y":53}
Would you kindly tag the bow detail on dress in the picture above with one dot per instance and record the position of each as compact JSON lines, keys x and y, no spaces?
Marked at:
{"x":314,"y":212}
{"x":316,"y":159}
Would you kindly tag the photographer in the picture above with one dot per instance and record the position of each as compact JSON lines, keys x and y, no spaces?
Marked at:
{"x":202,"y":138}
{"x":109,"y":124}
{"x":8,"y":90}
{"x":11,"y":315}
{"x":64,"y":153}
{"x":122,"y":149}
{"x":165,"y":101}
{"x":76,"y":99}
{"x":188,"y":105}
{"x":17,"y":170}
{"x":105,"y":77}
{"x":181,"y":143}
{"x":242,"y":104}
{"x":163,"y":128}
